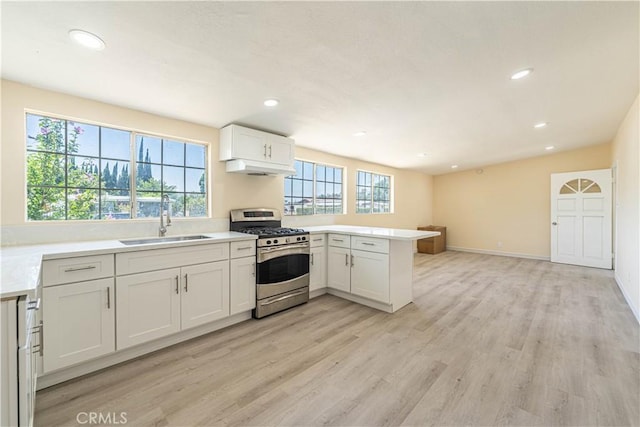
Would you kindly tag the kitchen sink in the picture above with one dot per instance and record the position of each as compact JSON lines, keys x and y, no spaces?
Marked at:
{"x":162,"y":240}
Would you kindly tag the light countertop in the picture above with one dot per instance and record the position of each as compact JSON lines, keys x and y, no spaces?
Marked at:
{"x":21,"y":264}
{"x":384,"y":233}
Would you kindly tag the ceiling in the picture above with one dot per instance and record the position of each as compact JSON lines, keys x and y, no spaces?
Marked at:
{"x":418,"y":77}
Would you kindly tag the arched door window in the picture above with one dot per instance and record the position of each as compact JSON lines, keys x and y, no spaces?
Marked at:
{"x":580,"y":185}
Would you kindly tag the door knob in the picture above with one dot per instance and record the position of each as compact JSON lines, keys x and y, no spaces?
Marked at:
{"x":554,"y":223}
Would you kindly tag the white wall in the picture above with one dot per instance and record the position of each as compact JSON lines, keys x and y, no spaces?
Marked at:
{"x":626,"y":159}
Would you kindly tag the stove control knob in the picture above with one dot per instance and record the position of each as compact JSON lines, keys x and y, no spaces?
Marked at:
{"x":298,"y":239}
{"x":304,"y":238}
{"x":268,"y":242}
{"x":275,"y":241}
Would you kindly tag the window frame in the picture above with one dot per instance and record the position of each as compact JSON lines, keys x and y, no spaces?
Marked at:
{"x":371,"y":189}
{"x":314,"y":182}
{"x":132,"y":163}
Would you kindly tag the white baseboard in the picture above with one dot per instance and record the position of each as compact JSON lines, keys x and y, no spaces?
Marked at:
{"x":634,"y":309}
{"x":317,"y":292}
{"x":500,"y":253}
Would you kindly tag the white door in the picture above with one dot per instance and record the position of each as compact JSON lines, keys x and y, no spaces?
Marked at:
{"x":581,"y":218}
{"x":338,"y":269}
{"x":205,"y":293}
{"x":280,"y":150}
{"x":148,"y":306}
{"x":79,"y":322}
{"x":250,"y":144}
{"x":370,"y":275}
{"x":243,"y":284}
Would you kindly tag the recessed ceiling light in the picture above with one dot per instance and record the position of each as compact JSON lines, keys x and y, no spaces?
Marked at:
{"x":360,"y":133}
{"x":271,"y":102}
{"x":550,"y":147}
{"x":454,"y":166}
{"x":522,"y":73}
{"x":422,"y":154}
{"x":87,"y":39}
{"x":540,"y":125}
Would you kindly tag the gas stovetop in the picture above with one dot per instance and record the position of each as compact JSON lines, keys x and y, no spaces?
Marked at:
{"x":273,"y":231}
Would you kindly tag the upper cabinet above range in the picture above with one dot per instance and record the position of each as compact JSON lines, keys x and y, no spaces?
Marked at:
{"x":256,"y":152}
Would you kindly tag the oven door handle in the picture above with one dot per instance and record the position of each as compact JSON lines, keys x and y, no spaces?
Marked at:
{"x":282,"y":298}
{"x":284,"y":247}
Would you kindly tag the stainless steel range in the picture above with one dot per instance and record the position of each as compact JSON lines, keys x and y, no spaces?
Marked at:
{"x":282,"y":259}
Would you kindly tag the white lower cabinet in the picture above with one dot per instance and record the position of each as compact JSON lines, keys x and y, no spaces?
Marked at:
{"x":79,"y":322}
{"x":159,"y":303}
{"x":148,"y":306}
{"x":370,"y":275}
{"x":317,"y":266}
{"x":339,"y":268}
{"x":242,"y":285}
{"x":362,"y":272}
{"x":205,"y":293}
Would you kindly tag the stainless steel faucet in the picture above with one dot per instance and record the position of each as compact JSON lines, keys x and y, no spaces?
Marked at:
{"x":163,"y":226}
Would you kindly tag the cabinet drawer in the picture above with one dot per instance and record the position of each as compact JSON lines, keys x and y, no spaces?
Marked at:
{"x":243,"y":248}
{"x":339,"y":241}
{"x":319,"y":239}
{"x":78,"y":269}
{"x":159,"y":259}
{"x":370,"y":244}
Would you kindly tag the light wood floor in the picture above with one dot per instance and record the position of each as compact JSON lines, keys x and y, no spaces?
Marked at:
{"x":488,"y":341}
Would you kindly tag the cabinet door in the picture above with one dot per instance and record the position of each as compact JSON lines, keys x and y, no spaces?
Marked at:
{"x":317,"y":268}
{"x":370,"y":275}
{"x":280,"y":150}
{"x":205,"y":293}
{"x":79,"y":322}
{"x":148,"y":306}
{"x":249,"y":144}
{"x":243,"y":284}
{"x":338,"y":269}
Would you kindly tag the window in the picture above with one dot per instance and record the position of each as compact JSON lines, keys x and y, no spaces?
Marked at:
{"x":373,"y":193}
{"x":314,"y":189}
{"x":84,"y":171}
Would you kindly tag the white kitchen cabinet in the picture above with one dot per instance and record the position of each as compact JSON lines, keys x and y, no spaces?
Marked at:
{"x":79,"y":322}
{"x":205,"y":293}
{"x":370,"y":275}
{"x":239,"y":142}
{"x":242,"y":285}
{"x":339,"y":268}
{"x":317,"y":262}
{"x":148,"y":306}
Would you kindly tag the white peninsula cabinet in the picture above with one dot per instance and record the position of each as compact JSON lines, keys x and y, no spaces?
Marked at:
{"x":78,"y":310}
{"x":371,"y":266}
{"x":155,"y":301}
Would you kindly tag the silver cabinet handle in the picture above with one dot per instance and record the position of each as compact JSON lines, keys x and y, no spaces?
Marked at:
{"x":270,"y":151}
{"x":554,"y":223}
{"x":38,"y":330}
{"x":318,"y":240}
{"x":108,"y":298}
{"x":338,"y":240}
{"x":34,"y":305}
{"x":244,"y":248}
{"x":368,"y":244}
{"x":177,"y":286}
{"x":346,"y":259}
{"x":88,"y":267}
{"x":311,"y":259}
{"x":351,"y":260}
{"x":186,"y":283}
{"x":265,"y":150}
{"x":253,"y":272}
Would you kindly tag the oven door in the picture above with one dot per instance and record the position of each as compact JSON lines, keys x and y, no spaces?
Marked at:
{"x":281,"y":269}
